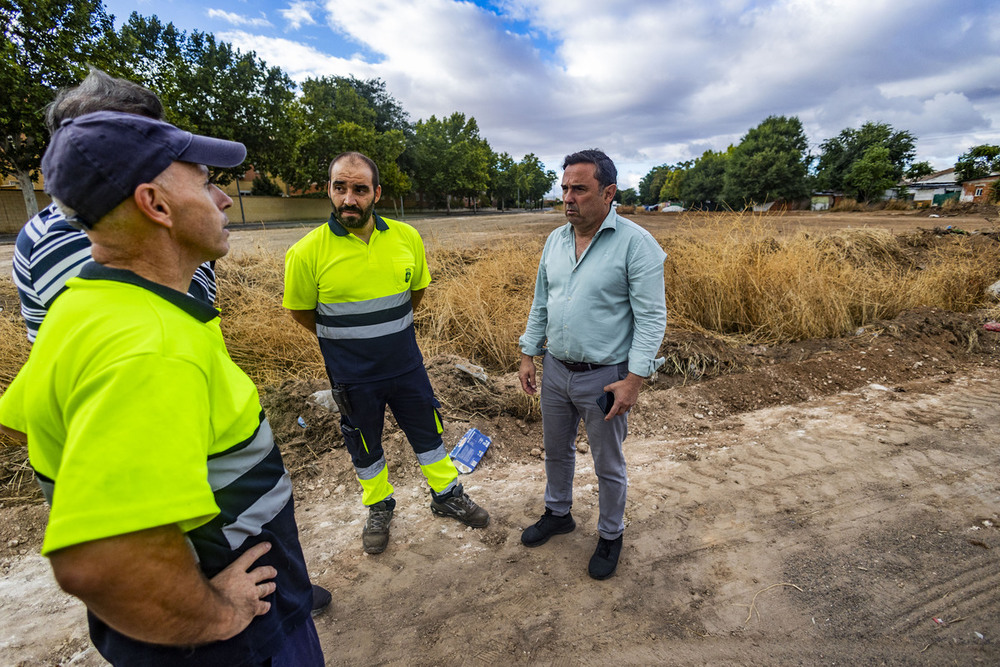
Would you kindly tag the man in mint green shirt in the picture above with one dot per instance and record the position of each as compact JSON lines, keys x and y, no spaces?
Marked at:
{"x":598,"y":316}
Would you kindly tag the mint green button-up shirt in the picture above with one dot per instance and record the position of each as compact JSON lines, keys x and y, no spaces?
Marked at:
{"x":605,"y":308}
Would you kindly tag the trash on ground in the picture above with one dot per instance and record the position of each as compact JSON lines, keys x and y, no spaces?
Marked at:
{"x":302,"y":422}
{"x":992,"y":326}
{"x":324,"y":398}
{"x":469,"y":450}
{"x":475,"y":371}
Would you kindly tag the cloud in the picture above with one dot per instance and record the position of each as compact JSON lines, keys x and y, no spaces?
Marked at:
{"x":656,"y":82}
{"x":298,"y":14}
{"x":238,"y":19}
{"x":299,"y":61}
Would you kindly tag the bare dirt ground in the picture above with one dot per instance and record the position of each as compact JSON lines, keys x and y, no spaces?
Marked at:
{"x":819,"y":503}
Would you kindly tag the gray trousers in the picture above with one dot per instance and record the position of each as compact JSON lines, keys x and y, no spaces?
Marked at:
{"x":566,"y":398}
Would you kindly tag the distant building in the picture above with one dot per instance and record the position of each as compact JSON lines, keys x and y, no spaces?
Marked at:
{"x":930,"y":190}
{"x":977,"y":190}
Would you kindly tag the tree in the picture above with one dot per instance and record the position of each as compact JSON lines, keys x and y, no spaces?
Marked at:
{"x":389,"y":114}
{"x":673,"y":182}
{"x":264,"y":187}
{"x":704,"y":181}
{"x":628,"y":196}
{"x":839,"y":153}
{"x":450,"y":158}
{"x":977,"y":162}
{"x":45,"y":45}
{"x":335,"y":118}
{"x":211,"y":88}
{"x":651,"y":183}
{"x":872,"y":175}
{"x":532,"y":179}
{"x":918,"y":170}
{"x":769,"y":163}
{"x":503,"y":179}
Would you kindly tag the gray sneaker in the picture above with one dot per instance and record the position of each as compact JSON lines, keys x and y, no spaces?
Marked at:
{"x":459,"y":506}
{"x":375,"y":536}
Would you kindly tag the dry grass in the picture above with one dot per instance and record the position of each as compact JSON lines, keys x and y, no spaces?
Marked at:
{"x":847,"y":204}
{"x":261,"y":336}
{"x":479,"y":303}
{"x":735,"y":281}
{"x":13,"y":334}
{"x":745,"y":283}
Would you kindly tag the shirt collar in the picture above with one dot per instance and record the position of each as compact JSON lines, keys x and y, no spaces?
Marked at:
{"x":340,"y":230}
{"x":610,"y":222}
{"x":199,"y":310}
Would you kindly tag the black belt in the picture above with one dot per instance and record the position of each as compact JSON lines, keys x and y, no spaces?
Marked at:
{"x":579,"y":366}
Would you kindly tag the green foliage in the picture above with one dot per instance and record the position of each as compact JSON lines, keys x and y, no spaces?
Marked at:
{"x":651,"y":184}
{"x":265,"y":187}
{"x":45,"y":45}
{"x":872,"y":175}
{"x":919,"y":170}
{"x":704,"y":181}
{"x":533,"y":180}
{"x":211,"y":88}
{"x":450,"y":158}
{"x":978,"y":162}
{"x":841,"y":152}
{"x":770,"y":163}
{"x":628,"y":196}
{"x":503,"y":179}
{"x":673,"y":183}
{"x":336,"y":118}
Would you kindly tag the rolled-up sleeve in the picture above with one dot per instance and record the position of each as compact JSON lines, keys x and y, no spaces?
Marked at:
{"x":649,"y":307}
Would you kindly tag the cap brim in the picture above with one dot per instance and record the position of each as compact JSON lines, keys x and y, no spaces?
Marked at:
{"x":213,"y":152}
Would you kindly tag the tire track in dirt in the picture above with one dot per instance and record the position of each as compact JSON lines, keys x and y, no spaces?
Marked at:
{"x":829,"y":531}
{"x":853,"y":461}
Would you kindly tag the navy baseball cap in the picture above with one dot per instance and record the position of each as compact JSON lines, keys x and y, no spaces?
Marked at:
{"x":96,"y":161}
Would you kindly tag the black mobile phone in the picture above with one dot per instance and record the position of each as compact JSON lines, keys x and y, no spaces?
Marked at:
{"x":606,"y":401}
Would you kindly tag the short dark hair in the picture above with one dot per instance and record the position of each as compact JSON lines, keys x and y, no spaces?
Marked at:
{"x":604,"y":172}
{"x":102,"y":92}
{"x":360,"y":157}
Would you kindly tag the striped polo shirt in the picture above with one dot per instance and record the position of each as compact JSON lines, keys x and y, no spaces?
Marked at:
{"x":136,"y":418}
{"x":361,"y":294}
{"x":49,"y":251}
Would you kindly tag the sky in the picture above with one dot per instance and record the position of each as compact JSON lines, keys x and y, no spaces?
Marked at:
{"x":650,"y":82}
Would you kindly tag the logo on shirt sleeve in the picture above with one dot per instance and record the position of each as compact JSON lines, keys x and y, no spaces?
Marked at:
{"x":409,"y":274}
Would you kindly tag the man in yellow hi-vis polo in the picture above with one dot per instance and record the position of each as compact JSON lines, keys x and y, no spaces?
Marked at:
{"x":355,"y":282}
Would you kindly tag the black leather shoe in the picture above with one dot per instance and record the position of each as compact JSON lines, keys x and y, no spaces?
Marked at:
{"x":546,"y":527}
{"x":604,"y":562}
{"x":321,"y":599}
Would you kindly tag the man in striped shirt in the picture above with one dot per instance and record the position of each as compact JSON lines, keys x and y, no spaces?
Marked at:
{"x":49,"y":250}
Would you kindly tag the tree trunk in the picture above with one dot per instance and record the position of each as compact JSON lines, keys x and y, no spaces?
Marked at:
{"x":28,"y":192}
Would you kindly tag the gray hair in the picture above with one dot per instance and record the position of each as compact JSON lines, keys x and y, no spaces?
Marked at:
{"x":102,"y":92}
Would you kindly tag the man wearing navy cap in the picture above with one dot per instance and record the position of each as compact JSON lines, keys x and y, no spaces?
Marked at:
{"x":171,"y":510}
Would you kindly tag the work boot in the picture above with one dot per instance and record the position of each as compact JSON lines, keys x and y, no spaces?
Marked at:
{"x":375,"y":536}
{"x":546,"y":527}
{"x":321,"y":599}
{"x":604,"y":562}
{"x":457,"y":505}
